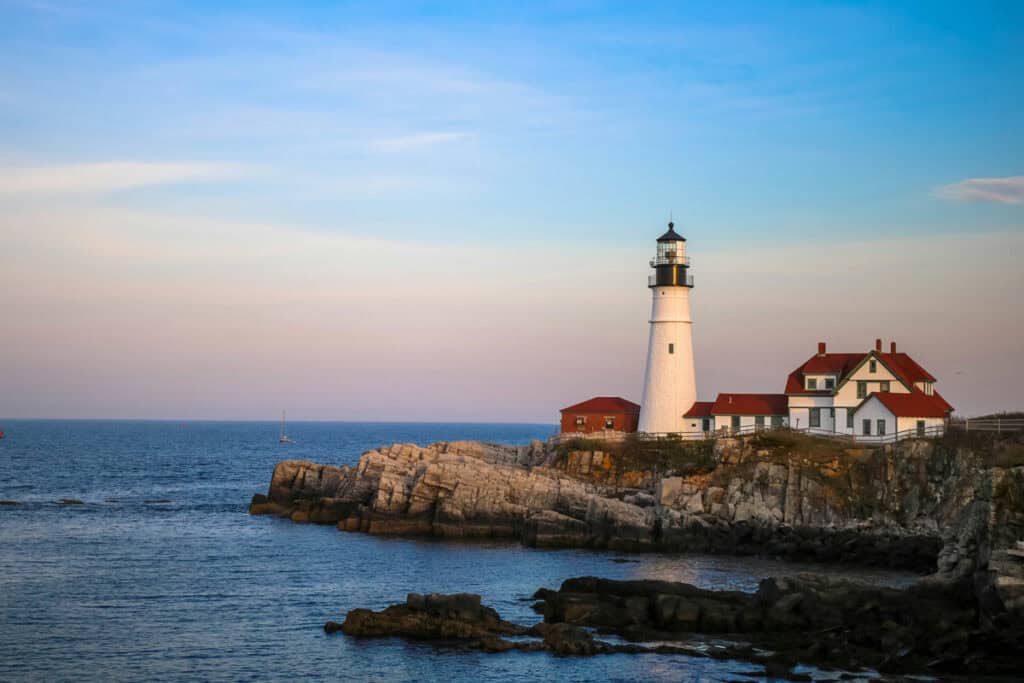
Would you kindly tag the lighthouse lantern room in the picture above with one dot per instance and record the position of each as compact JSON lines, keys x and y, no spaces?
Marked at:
{"x":669,"y":385}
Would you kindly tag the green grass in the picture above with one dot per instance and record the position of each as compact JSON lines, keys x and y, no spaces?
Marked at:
{"x":663,"y":455}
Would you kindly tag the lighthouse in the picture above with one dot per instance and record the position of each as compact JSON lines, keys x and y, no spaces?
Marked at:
{"x":669,"y":386}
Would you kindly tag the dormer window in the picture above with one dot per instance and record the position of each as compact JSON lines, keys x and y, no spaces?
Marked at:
{"x":830,"y":383}
{"x":812,"y":384}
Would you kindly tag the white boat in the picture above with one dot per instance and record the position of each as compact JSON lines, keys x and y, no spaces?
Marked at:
{"x":284,"y":438}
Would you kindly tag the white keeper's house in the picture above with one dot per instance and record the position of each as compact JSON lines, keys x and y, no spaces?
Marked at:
{"x":873,"y":394}
{"x":869,"y":396}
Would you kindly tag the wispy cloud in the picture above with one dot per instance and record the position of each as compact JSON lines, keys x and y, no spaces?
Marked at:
{"x":1008,"y":190}
{"x":111,"y":176}
{"x":417,"y":140}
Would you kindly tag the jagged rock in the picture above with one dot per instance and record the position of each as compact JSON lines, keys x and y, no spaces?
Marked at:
{"x":921,"y":505}
{"x":933,"y":627}
{"x":429,"y":617}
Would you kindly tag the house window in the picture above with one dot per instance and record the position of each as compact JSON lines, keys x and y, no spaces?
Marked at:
{"x":920,"y":427}
{"x":881,"y":427}
{"x":671,"y":348}
{"x":830,"y":383}
{"x":815,"y":417}
{"x":705,"y":425}
{"x":609,"y":423}
{"x":776,"y":422}
{"x":759,"y":422}
{"x":812,"y":383}
{"x":872,"y":366}
{"x":862,"y":389}
{"x":849,"y":418}
{"x":866,"y":426}
{"x":580,"y":420}
{"x":736,"y":423}
{"x":883,"y":386}
{"x":832,"y":413}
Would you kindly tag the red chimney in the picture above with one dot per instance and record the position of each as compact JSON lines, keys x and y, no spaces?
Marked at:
{"x":821,"y":348}
{"x":892,"y":347}
{"x":878,"y":345}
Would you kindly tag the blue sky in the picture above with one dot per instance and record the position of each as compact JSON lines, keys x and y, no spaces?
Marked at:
{"x":492,"y":146}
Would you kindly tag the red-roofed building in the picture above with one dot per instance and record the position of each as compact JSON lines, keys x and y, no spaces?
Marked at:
{"x":736,"y":412}
{"x":600,"y":414}
{"x":699,"y":418}
{"x":829,"y":391}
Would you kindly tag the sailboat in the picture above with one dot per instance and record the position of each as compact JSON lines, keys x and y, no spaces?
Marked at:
{"x":284,"y":438}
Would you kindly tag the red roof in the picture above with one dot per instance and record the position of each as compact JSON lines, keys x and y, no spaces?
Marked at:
{"x":700,"y":409}
{"x":905,"y":368}
{"x":915,"y":404}
{"x":842,"y":364}
{"x":750,"y":404}
{"x":604,"y":405}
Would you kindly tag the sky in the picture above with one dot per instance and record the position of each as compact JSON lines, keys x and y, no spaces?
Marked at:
{"x":424,"y":211}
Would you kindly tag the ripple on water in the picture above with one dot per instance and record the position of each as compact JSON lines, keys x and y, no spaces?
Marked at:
{"x":124,"y":589}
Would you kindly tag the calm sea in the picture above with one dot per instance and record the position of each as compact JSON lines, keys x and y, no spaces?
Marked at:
{"x":161,"y":574}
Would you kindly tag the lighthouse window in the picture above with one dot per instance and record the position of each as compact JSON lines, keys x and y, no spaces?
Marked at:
{"x":671,"y":348}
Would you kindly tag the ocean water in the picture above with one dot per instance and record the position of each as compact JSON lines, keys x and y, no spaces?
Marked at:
{"x":162,"y":575}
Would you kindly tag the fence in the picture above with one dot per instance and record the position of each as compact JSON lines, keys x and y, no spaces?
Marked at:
{"x":989,"y":424}
{"x":978,"y":425}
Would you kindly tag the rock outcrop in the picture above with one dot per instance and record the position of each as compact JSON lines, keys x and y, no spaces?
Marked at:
{"x":921,"y":504}
{"x":933,"y":628}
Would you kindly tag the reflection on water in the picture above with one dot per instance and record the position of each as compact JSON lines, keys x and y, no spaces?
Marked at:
{"x":197,"y":589}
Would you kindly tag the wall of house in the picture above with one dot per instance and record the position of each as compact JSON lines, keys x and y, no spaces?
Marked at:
{"x":800,"y":413}
{"x":906,"y":424}
{"x":594,"y":422}
{"x":927,"y":388}
{"x":746,"y":422}
{"x":821,"y":381}
{"x":847,"y":394}
{"x":696,"y":424}
{"x":874,"y":410}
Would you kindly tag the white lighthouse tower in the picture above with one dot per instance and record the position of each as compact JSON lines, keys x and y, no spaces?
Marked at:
{"x":669,"y":385}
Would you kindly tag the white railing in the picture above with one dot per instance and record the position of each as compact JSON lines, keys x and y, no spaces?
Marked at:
{"x":929,"y":432}
{"x":989,"y":424}
{"x":926,"y":433}
{"x":670,"y":261}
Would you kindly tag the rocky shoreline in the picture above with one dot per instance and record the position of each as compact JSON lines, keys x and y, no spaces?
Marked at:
{"x":923,"y":505}
{"x":933,"y":628}
{"x":952,"y":509}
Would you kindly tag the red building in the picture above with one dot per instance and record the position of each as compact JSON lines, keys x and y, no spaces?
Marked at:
{"x":601,"y":413}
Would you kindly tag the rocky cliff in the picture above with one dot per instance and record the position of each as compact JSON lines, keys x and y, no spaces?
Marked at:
{"x":948,"y":505}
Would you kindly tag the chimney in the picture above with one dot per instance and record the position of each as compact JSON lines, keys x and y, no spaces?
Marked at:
{"x":821,"y":348}
{"x":878,"y":345}
{"x":892,"y":347}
